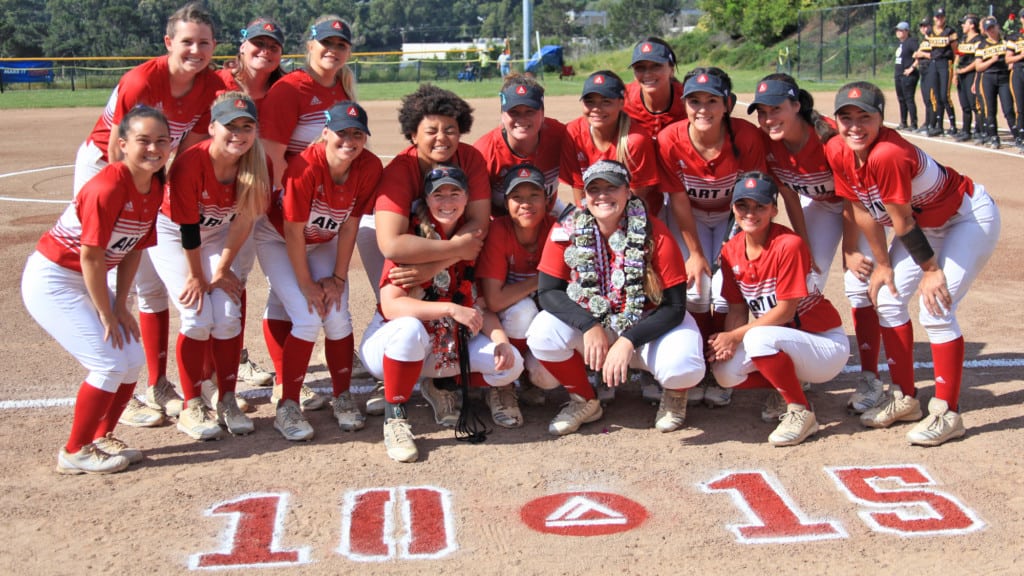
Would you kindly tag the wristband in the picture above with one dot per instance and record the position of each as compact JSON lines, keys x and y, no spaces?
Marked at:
{"x":336,"y":277}
{"x":917,"y":245}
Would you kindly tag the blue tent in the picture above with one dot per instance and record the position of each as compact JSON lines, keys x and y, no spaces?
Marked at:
{"x":550,"y":56}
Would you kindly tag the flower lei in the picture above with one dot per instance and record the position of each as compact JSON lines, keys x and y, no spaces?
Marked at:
{"x":602,"y":282}
{"x":444,"y":332}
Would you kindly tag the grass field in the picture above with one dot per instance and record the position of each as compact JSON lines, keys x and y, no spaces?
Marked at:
{"x":34,"y":96}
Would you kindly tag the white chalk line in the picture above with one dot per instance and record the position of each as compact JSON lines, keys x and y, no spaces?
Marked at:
{"x":264,"y":392}
{"x":33,"y":171}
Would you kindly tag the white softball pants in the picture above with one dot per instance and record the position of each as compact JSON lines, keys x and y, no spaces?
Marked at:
{"x":816,"y":357}
{"x":963,"y":246}
{"x":676,"y":360}
{"x":58,"y":300}
{"x":220,"y":317}
{"x":824,"y":222}
{"x":712,"y":229}
{"x":369,"y":252}
{"x":273,"y":257}
{"x":406,"y":339}
{"x":88,"y":163}
{"x":516,"y":320}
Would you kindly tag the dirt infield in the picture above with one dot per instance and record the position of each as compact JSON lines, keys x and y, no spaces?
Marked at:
{"x":618,"y":497}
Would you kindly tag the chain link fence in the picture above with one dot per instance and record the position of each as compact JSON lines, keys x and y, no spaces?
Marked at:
{"x":857,"y":41}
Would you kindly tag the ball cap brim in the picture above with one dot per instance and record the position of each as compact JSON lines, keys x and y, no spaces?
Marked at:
{"x":772,"y":93}
{"x":347,"y":114}
{"x":523,"y":174}
{"x":442,"y":175}
{"x":607,"y":170}
{"x":229,"y":110}
{"x":866,"y":100}
{"x":756,"y":186}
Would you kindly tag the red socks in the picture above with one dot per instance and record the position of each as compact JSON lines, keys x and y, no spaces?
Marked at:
{"x":275,"y":332}
{"x":91,"y":406}
{"x":191,"y":360}
{"x":225,"y":360}
{"x":868,"y":332}
{"x":296,"y":360}
{"x":572,"y":374}
{"x":339,"y":362}
{"x":899,"y":351}
{"x":520,"y":344}
{"x":949,"y":363}
{"x":779,"y":370}
{"x":155,"y":328}
{"x":400,"y":378}
{"x":121,"y":398}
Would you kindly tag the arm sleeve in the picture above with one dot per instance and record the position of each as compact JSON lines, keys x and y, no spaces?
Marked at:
{"x":190,"y":236}
{"x":666,"y":317}
{"x":553,"y":299}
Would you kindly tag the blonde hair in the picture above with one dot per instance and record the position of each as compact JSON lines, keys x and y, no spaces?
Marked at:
{"x":622,"y":145}
{"x":345,"y":75}
{"x":252,"y":183}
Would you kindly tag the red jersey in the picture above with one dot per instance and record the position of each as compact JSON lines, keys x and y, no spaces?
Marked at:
{"x":708,"y":183}
{"x":504,"y":258}
{"x":780,"y":273}
{"x":498,"y":158}
{"x":654,"y":122}
{"x":194,"y":195}
{"x":580,"y":152}
{"x":311,"y":196}
{"x":402,"y":181}
{"x":897,"y":172}
{"x":149,"y":83}
{"x":806,"y":172}
{"x":294,"y":112}
{"x":666,"y":260}
{"x":107,"y":212}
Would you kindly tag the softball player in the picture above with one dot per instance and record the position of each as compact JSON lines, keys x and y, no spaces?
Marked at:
{"x":654,"y":99}
{"x":524,"y":136}
{"x":700,"y":158}
{"x":613,"y":290}
{"x":295,"y":114}
{"x":943,"y":40}
{"x":905,"y":76}
{"x":796,"y":334}
{"x":414,"y":332}
{"x":258,"y":65}
{"x":796,"y":159}
{"x":64,"y":287}
{"x":182,"y":85}
{"x":947,"y":228}
{"x":305,"y":246}
{"x":1015,"y":60}
{"x":216,"y":190}
{"x":995,"y":80}
{"x":255,"y":70}
{"x":923,"y":61}
{"x":507,"y":275}
{"x":967,"y":76}
{"x":605,"y":132}
{"x":433,"y":120}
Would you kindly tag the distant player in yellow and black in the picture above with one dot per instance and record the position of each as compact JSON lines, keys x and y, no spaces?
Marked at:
{"x":923,"y":62}
{"x":995,"y":79}
{"x":966,"y":76}
{"x":943,"y":40}
{"x":1015,"y":59}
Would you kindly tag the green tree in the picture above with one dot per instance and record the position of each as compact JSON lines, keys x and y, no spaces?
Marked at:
{"x":630,"y":20}
{"x":22,"y":28}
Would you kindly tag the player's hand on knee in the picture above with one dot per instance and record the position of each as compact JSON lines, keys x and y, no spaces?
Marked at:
{"x":504,"y":356}
{"x":314,"y":294}
{"x":696,"y":268}
{"x":616,"y":363}
{"x":112,"y":330}
{"x":595,"y":347}
{"x":935,"y":292}
{"x":722,"y":346}
{"x":193,"y":292}
{"x":882,"y":276}
{"x":227,"y":282}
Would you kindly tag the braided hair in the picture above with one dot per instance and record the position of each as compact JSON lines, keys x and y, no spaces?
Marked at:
{"x":730,"y":99}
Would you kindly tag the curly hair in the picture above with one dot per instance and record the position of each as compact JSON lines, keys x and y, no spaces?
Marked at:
{"x":429,"y":100}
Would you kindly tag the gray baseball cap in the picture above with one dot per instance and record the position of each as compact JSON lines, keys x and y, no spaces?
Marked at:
{"x":905,"y":26}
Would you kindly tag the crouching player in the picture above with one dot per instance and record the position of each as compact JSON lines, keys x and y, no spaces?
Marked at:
{"x":507,"y":273}
{"x":613,"y":288}
{"x":415,"y":331}
{"x":796,"y":334}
